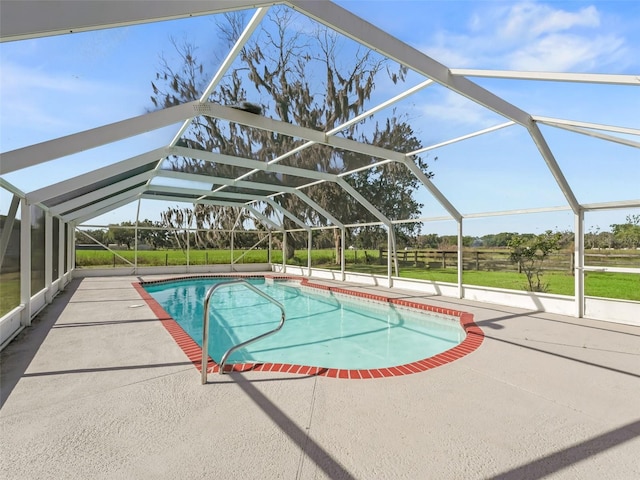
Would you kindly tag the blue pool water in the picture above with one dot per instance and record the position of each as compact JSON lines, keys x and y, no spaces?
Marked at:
{"x":321,"y":329}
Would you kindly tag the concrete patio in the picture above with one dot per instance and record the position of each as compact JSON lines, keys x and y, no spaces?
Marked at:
{"x":98,"y":389}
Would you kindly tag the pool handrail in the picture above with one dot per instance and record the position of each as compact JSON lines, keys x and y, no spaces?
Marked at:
{"x":205,"y":325}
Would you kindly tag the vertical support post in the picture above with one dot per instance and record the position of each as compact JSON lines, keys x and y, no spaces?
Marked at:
{"x":309,"y":240}
{"x":71,"y":247}
{"x":48,"y":255}
{"x":343,"y":239}
{"x":135,"y":240}
{"x":269,"y":251}
{"x":284,"y":251}
{"x":7,"y":229}
{"x":233,"y":237}
{"x":25,"y":262}
{"x":460,"y":258}
{"x":390,"y":251}
{"x":188,"y":244}
{"x":61,"y":250}
{"x":579,"y":263}
{"x":395,"y":251}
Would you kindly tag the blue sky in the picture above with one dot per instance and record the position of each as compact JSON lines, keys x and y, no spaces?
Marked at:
{"x":60,"y":85}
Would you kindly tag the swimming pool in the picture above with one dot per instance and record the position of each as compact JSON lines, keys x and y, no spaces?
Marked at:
{"x":323,"y":329}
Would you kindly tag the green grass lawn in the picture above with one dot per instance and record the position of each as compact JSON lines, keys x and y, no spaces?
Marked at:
{"x":9,"y":291}
{"x":624,"y":286}
{"x":597,"y":284}
{"x":104,"y":258}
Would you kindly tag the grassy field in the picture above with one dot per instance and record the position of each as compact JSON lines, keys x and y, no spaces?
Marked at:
{"x":597,"y":284}
{"x":103,"y":258}
{"x":9,"y":291}
{"x":624,"y":286}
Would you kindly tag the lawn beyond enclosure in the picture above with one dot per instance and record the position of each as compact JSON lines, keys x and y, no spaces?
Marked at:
{"x":597,"y":284}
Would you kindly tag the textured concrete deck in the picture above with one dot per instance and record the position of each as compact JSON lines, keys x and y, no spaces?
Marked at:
{"x":98,"y":389}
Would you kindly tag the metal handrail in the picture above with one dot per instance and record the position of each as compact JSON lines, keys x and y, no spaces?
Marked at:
{"x":205,"y":326}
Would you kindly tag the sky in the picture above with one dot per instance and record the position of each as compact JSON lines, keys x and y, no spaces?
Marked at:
{"x":60,"y":85}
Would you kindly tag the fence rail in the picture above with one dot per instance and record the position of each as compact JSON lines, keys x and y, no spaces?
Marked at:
{"x":499,"y":260}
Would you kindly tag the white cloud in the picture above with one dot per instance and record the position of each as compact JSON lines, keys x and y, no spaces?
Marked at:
{"x":457,"y":110}
{"x":563,"y":52}
{"x":532,"y":20}
{"x":531,"y":36}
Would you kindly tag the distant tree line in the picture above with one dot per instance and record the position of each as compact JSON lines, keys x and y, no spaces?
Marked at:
{"x":155,"y":235}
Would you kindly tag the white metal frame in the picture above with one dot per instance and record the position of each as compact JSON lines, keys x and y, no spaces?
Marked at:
{"x":72,"y":204}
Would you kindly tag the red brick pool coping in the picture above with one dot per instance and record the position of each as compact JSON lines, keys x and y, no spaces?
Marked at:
{"x":192,"y":350}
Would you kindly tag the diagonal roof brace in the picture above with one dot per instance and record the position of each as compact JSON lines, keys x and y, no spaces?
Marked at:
{"x":439,"y":196}
{"x":95,"y":195}
{"x":248,"y":163}
{"x":251,"y":185}
{"x":288,"y":214}
{"x":284,"y":128}
{"x":265,"y":219}
{"x":255,"y":212}
{"x":377,"y":39}
{"x":21,"y":20}
{"x":364,"y":202}
{"x":104,"y":206}
{"x":544,"y":149}
{"x":95,"y":137}
{"x":89,"y":178}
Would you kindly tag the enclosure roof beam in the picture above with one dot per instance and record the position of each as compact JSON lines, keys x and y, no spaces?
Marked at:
{"x":206,"y":194}
{"x":364,"y":202}
{"x":194,"y":177}
{"x":265,"y":219}
{"x":353,"y":121}
{"x":93,"y":196}
{"x":437,"y":194}
{"x":317,"y":208}
{"x":550,"y":76}
{"x":95,"y":137}
{"x":89,"y":178}
{"x":597,"y":126}
{"x":384,"y":43}
{"x":226,"y":64}
{"x":288,"y":214}
{"x":594,"y":134}
{"x":21,"y":20}
{"x":277,"y":189}
{"x":622,"y":204}
{"x":377,"y":39}
{"x":104,"y":205}
{"x":463,"y":137}
{"x":258,"y":121}
{"x":553,"y":166}
{"x":11,"y":187}
{"x":7,"y":228}
{"x":222,"y":203}
{"x":521,"y":211}
{"x":257,"y":165}
{"x":148,"y":195}
{"x":99,"y":211}
{"x":585,"y":128}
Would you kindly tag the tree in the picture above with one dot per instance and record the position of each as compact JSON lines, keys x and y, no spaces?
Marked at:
{"x":98,"y":234}
{"x":530,"y":252}
{"x":123,"y":234}
{"x":300,"y":80}
{"x":153,"y":233}
{"x":627,"y":235}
